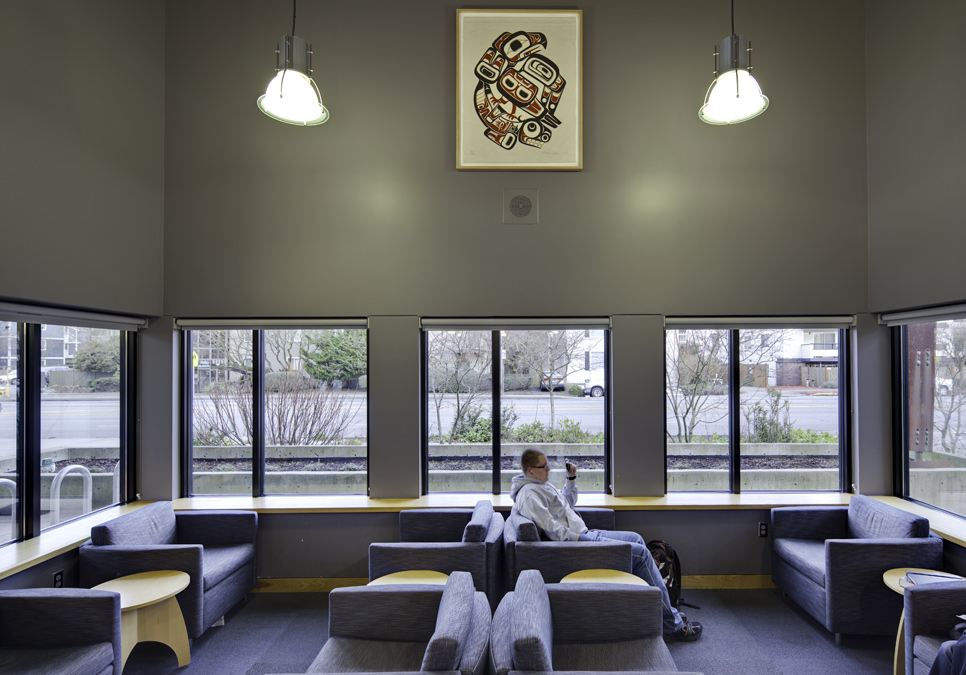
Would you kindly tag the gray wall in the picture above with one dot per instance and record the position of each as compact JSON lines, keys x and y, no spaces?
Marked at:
{"x":366,"y":215}
{"x":81,"y":176}
{"x":917,"y":142}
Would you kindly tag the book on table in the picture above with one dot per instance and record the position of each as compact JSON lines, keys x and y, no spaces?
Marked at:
{"x":919,"y":578}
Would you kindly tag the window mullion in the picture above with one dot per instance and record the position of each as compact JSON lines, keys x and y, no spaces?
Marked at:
{"x":496,"y":373}
{"x":258,"y":413}
{"x":187,"y":414}
{"x":30,"y":428}
{"x":734,"y":411}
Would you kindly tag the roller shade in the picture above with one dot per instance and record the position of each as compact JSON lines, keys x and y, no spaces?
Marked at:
{"x":268,"y":324}
{"x":945,"y":313}
{"x":68,"y":317}
{"x":732,"y":322}
{"x":595,"y":323}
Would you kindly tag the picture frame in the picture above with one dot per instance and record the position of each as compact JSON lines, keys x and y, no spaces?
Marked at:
{"x":519,"y":89}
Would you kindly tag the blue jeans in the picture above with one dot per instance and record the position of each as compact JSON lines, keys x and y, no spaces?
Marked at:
{"x":643,"y":566}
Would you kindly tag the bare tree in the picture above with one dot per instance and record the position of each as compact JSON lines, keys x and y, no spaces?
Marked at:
{"x":950,"y":398}
{"x":697,"y":370}
{"x":552,"y":354}
{"x":459,"y":366}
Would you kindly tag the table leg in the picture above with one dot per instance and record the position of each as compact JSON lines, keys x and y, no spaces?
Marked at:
{"x":129,"y":634}
{"x":164,"y":623}
{"x":899,"y":663}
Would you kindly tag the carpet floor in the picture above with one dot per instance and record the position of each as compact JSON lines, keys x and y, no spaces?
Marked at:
{"x":747,"y":632}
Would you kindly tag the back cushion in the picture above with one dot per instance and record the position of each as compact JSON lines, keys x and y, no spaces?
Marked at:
{"x":433,"y":525}
{"x":151,"y":525}
{"x":871,"y":519}
{"x":531,"y":625}
{"x":452,"y":624}
{"x":475,"y":530}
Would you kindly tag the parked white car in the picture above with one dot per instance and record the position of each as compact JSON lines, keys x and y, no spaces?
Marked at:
{"x":594,"y":387}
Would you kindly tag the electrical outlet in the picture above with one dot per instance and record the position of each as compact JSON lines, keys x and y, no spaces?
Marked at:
{"x":762,"y":529}
{"x":59,"y":579}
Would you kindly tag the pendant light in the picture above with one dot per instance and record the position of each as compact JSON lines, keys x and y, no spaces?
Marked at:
{"x":292,"y":96}
{"x":734,"y":96}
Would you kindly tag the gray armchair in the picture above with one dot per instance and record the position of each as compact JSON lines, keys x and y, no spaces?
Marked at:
{"x":830,"y":561}
{"x":407,"y":628}
{"x":215,"y":548}
{"x":525,"y":550}
{"x":930,"y":614}
{"x":447,"y":540}
{"x":540,"y":628}
{"x":60,"y":631}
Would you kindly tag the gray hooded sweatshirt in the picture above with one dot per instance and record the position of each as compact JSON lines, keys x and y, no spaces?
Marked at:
{"x":550,"y":509}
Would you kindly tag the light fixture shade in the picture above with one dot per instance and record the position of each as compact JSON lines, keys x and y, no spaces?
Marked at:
{"x":292,"y":96}
{"x":734,"y":96}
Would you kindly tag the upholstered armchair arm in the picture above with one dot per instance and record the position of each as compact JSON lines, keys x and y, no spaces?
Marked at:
{"x":440,"y":557}
{"x":597,"y":519}
{"x":407,"y":612}
{"x":102,"y":563}
{"x":501,"y":648}
{"x":810,"y":522}
{"x":932,"y":610}
{"x":217,"y":528}
{"x":40,"y":618}
{"x":853,"y":575}
{"x":557,"y":559}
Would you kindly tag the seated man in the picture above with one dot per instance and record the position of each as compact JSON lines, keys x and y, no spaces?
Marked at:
{"x":951,"y":659}
{"x":552,"y":512}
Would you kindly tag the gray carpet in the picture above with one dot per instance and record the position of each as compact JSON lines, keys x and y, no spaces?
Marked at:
{"x":751,"y":632}
{"x":756,"y":632}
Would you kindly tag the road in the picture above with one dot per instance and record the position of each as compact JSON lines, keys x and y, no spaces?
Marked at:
{"x":85,"y":417}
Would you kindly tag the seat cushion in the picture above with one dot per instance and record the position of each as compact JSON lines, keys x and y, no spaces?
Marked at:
{"x":805,"y":555}
{"x":644,"y":654}
{"x":221,"y":561}
{"x":871,"y":519}
{"x":926,"y":647}
{"x":348,"y":655}
{"x":81,"y":660}
{"x":452,"y":624}
{"x":148,"y":526}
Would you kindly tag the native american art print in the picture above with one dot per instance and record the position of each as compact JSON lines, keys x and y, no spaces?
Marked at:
{"x":519,"y":89}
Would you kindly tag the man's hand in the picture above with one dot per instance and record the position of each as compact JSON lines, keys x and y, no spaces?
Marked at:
{"x":571,"y":469}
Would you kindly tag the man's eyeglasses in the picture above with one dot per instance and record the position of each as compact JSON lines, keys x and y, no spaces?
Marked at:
{"x":542,"y":466}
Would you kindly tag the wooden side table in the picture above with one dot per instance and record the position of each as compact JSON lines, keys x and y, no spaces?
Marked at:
{"x":892,"y":578}
{"x":411,"y":577}
{"x":150,"y":612}
{"x":600,"y":576}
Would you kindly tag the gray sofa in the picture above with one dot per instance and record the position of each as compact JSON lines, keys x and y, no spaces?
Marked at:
{"x":592,"y":627}
{"x":523,"y":549}
{"x":407,"y":628}
{"x":447,"y":540}
{"x":830,"y":561}
{"x":60,"y":631}
{"x":930,"y":613}
{"x":216,"y":548}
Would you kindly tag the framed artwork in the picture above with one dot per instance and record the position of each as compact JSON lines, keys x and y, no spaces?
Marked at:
{"x":519,"y":90}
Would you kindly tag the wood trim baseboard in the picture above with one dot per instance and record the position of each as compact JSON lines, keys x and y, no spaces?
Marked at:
{"x":324,"y":585}
{"x":307,"y":584}
{"x":727,"y":581}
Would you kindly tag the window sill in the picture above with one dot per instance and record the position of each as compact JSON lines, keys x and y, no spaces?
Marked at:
{"x":57,"y":540}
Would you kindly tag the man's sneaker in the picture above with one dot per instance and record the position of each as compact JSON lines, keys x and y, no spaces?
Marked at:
{"x":689,"y":632}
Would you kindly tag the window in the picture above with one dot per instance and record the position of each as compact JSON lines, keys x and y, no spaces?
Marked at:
{"x":752,"y":409}
{"x":66,"y":426}
{"x":10,"y":507}
{"x":933,"y":380}
{"x":278,"y":411}
{"x":537,"y":378}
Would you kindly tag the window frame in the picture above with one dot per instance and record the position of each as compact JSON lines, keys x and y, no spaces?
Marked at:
{"x":734,"y":326}
{"x":258,"y":330}
{"x":496,"y":327}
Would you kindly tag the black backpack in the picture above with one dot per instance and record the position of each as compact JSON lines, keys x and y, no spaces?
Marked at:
{"x":666,"y":559}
